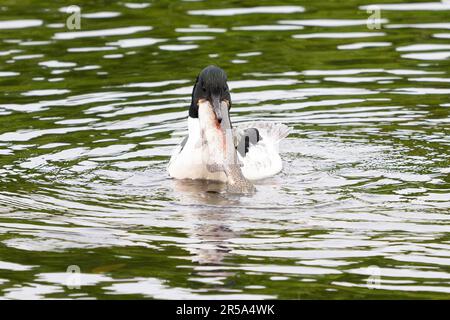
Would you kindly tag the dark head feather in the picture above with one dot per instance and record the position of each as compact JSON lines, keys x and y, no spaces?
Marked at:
{"x":211,"y":81}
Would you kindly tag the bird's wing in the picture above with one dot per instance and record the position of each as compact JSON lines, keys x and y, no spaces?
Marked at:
{"x":177,"y":150}
{"x":248,"y":134}
{"x":267,"y":130}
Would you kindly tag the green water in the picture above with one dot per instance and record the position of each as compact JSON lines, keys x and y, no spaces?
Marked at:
{"x":88,"y":122}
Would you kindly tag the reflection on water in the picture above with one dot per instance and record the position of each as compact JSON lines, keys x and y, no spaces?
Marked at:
{"x":89,"y":119}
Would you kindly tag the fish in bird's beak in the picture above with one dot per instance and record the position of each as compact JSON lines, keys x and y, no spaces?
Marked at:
{"x":216,"y":133}
{"x":217,"y":108}
{"x":214,"y":120}
{"x":220,"y":109}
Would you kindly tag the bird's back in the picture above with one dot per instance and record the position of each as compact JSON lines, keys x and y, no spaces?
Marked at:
{"x":261,"y":159}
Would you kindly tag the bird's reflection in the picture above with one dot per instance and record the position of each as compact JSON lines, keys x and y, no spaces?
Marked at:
{"x":209,"y":209}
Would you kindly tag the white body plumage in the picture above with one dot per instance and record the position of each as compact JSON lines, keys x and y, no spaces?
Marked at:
{"x":262,"y":160}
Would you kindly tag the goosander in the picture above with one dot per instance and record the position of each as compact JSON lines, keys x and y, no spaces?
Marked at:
{"x":215,"y":150}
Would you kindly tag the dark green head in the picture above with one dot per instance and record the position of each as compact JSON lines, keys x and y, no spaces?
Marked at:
{"x":211,"y":85}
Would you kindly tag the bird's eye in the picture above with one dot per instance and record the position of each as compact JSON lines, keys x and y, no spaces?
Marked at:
{"x":225,"y":89}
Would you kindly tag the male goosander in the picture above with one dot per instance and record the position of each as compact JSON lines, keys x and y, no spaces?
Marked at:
{"x":214,"y":150}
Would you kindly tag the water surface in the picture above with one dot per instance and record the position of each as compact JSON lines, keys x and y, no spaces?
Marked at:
{"x":89,"y":118}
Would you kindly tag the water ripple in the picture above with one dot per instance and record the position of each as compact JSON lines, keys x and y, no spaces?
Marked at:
{"x":86,"y":140}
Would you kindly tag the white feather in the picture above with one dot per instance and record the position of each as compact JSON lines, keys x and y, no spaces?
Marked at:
{"x":262,"y":159}
{"x":188,"y":162}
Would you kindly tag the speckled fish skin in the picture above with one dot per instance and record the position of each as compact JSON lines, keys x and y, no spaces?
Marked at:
{"x":237,"y":183}
{"x":220,"y":152}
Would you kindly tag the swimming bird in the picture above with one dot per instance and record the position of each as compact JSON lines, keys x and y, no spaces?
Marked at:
{"x":215,"y":150}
